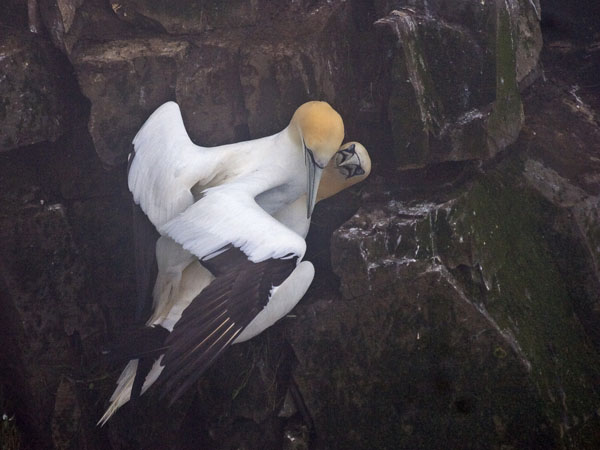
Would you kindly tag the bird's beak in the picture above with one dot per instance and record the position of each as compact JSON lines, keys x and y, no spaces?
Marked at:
{"x":347,"y":157}
{"x":314,"y":173}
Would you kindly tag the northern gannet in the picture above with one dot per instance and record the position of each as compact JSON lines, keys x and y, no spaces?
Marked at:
{"x":350,"y":165}
{"x":245,"y":298}
{"x":205,"y":199}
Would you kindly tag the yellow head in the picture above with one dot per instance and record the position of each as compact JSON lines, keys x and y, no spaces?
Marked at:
{"x":321,"y":131}
{"x":350,"y":165}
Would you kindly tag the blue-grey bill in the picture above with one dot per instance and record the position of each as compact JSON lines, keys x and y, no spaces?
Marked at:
{"x":314,"y":178}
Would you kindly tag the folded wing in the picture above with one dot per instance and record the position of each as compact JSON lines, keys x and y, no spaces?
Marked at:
{"x":217,"y":317}
{"x":228,"y":215}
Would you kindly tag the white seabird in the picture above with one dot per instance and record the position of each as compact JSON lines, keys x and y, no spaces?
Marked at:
{"x":205,"y":199}
{"x":350,"y":165}
{"x":245,"y":298}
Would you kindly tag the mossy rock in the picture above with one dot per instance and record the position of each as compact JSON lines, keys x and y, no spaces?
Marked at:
{"x":462,"y":102}
{"x":475,"y":284}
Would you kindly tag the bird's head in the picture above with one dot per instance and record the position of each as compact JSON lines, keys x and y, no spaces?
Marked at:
{"x":321,"y":131}
{"x":350,"y":165}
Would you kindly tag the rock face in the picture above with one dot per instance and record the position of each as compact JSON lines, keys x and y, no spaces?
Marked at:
{"x":234,"y":84}
{"x":456,"y":299}
{"x":231,"y":85}
{"x":466,"y":296}
{"x":33,"y":99}
{"x":456,"y":112}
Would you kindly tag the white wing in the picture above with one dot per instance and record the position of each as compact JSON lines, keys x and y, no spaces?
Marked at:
{"x":166,"y":165}
{"x":282,"y":300}
{"x":228,"y":215}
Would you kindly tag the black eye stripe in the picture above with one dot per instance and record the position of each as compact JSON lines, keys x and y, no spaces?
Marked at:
{"x":352,"y":171}
{"x":345,"y":155}
{"x":312,"y":157}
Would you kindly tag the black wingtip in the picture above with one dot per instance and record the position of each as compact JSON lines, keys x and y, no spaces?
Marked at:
{"x":216,"y":317}
{"x":137,"y":342}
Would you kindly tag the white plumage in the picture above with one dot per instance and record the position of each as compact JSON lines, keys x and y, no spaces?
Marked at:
{"x":203,"y":199}
{"x":168,"y":166}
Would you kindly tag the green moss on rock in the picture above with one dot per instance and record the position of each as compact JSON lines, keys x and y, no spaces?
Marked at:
{"x":507,"y":227}
{"x":507,"y":115}
{"x":461,"y":102}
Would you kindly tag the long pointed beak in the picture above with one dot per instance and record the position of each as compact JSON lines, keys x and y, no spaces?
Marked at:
{"x":313,"y":179}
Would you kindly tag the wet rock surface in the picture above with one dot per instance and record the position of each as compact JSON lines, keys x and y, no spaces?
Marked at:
{"x":456,"y":298}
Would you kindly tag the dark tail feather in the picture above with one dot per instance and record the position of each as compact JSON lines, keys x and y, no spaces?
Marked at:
{"x":140,"y":342}
{"x":143,"y":369}
{"x":144,"y":239}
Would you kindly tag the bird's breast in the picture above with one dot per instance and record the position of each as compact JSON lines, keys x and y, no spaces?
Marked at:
{"x":276,"y":198}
